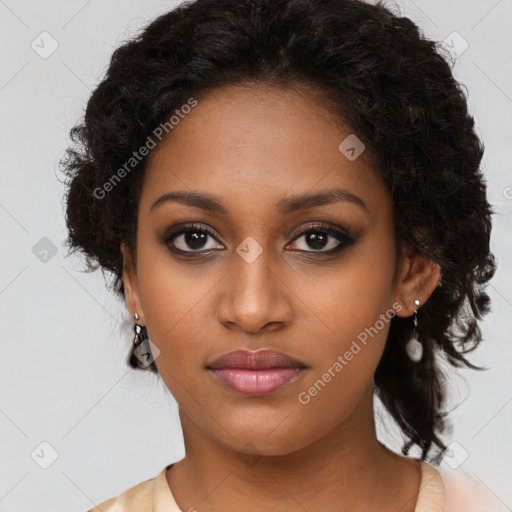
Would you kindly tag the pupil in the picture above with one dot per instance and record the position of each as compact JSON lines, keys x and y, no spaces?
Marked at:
{"x":195,"y":239}
{"x":317,"y":241}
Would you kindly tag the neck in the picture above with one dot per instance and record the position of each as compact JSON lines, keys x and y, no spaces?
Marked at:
{"x":346,"y":469}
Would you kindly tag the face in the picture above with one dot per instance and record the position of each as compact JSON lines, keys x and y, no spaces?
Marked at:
{"x":292,"y":250}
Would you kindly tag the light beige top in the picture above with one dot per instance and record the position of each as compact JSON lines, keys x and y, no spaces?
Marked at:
{"x":438,"y":493}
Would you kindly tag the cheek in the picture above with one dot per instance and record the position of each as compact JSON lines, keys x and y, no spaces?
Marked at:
{"x":353,"y":312}
{"x":174,"y":297}
{"x":350,"y":297}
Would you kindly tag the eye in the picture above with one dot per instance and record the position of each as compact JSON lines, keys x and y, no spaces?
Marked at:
{"x":323,"y":238}
{"x":199,"y":238}
{"x":191,"y":238}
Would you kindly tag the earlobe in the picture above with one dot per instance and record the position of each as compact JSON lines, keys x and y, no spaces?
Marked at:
{"x":131,"y":289}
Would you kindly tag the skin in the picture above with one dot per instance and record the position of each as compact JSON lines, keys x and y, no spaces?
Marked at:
{"x":251,"y":147}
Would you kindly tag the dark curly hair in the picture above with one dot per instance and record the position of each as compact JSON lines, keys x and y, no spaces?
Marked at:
{"x":377,"y":73}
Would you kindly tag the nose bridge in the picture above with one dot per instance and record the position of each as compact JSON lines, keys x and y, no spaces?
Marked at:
{"x":254,"y":296}
{"x":253,"y":281}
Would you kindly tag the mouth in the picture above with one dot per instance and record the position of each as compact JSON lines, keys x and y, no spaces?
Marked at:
{"x":256,"y":373}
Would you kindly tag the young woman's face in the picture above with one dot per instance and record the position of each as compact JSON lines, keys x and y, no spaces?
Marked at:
{"x":267,"y":265}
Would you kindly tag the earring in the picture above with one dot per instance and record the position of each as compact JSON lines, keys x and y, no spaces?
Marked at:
{"x":137,"y":328}
{"x":414,"y":348}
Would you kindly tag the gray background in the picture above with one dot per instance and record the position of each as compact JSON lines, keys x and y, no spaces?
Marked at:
{"x":64,"y":339}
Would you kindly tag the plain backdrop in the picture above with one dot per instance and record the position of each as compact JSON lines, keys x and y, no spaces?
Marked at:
{"x":77,"y":425}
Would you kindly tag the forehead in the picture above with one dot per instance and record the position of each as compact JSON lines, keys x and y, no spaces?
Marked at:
{"x":254,"y":141}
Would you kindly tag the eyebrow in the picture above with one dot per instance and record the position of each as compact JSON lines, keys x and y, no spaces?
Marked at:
{"x":303,"y":201}
{"x":285,"y":206}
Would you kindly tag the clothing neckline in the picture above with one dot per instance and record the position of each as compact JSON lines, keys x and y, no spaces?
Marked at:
{"x":430,"y":497}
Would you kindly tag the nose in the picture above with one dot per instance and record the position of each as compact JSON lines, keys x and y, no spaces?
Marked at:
{"x":255,"y":298}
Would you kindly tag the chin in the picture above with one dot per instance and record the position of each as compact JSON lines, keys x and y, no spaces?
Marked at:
{"x":256,"y":439}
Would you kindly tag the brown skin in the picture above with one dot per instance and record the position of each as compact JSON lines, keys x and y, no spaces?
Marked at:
{"x":251,"y":147}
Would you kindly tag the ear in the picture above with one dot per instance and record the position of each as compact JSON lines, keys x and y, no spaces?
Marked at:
{"x":417,"y":277}
{"x":131,"y":286}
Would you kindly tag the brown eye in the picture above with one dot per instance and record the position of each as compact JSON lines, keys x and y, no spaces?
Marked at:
{"x":191,"y":239}
{"x":323,"y":239}
{"x":318,"y":240}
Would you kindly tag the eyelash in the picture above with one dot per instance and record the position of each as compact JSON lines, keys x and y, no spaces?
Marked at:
{"x":344,"y":239}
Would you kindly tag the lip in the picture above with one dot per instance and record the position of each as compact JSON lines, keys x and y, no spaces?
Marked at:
{"x":256,"y":373}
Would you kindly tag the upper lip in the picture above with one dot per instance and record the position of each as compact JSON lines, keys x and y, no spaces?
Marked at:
{"x":259,"y":360}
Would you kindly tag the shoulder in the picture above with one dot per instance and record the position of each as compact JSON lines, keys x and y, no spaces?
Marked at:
{"x":138,"y":498}
{"x":463,"y":492}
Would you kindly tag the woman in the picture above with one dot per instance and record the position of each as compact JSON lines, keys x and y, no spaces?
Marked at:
{"x":278,"y":188}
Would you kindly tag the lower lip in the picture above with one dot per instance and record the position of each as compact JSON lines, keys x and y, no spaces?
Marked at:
{"x":257,"y":382}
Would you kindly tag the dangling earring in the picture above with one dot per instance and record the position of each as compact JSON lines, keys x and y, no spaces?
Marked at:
{"x":414,"y":348}
{"x":137,"y":328}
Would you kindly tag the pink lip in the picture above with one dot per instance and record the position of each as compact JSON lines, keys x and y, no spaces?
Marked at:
{"x":256,"y":373}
